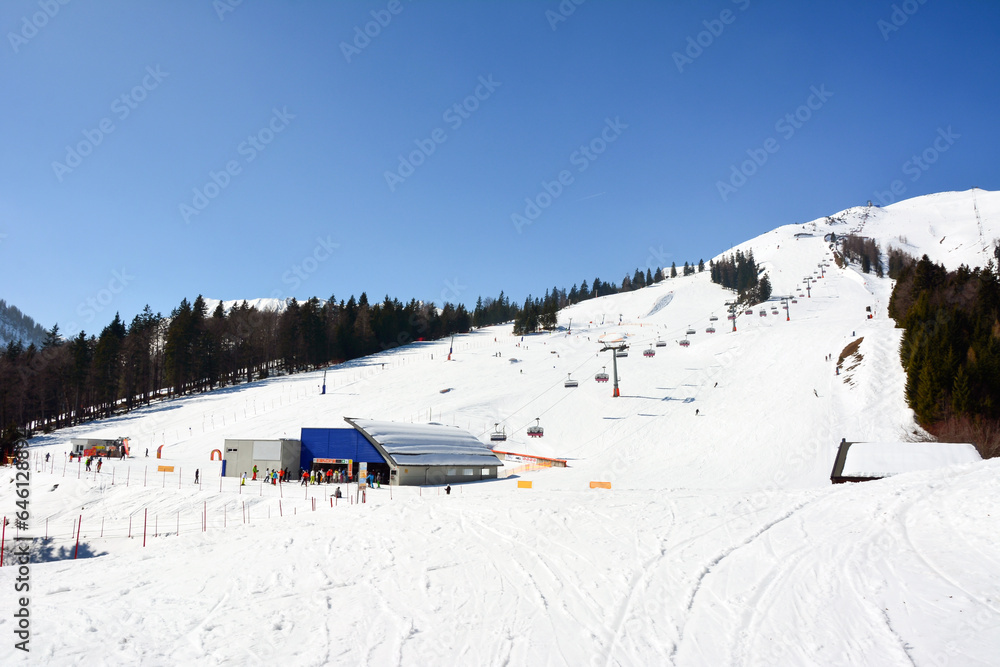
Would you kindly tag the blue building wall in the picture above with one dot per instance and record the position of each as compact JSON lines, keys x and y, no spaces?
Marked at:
{"x":336,"y":443}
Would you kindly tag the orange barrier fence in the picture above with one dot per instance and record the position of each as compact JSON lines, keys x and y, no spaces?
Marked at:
{"x":523,"y":484}
{"x":600,"y":485}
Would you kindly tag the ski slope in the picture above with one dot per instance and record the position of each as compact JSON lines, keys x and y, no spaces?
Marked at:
{"x":721,"y":541}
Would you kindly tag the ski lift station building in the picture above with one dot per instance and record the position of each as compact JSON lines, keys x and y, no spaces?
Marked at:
{"x":240,"y":456}
{"x":406,"y":454}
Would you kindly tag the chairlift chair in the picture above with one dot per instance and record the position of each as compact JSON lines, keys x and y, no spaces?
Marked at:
{"x":661,"y":343}
{"x":621,"y":353}
{"x":570,"y":382}
{"x":649,"y":353}
{"x":713,"y":318}
{"x":602,"y":376}
{"x":749,"y":311}
{"x":498,"y":435}
{"x":536,"y":431}
{"x":690,"y":332}
{"x":685,"y":343}
{"x":710,"y":330}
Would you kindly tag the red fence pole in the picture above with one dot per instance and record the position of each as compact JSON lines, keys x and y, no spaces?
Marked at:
{"x":3,"y":538}
{"x":145,"y":519}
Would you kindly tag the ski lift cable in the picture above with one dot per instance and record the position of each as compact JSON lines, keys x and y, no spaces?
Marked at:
{"x":559,"y":383}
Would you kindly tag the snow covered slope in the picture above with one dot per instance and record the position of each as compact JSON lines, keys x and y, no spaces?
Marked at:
{"x":720,"y":542}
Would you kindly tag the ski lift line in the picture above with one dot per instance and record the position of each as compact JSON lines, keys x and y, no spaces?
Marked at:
{"x":637,"y":424}
{"x":557,"y":385}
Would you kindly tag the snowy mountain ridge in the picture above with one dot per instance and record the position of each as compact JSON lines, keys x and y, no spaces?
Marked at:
{"x":16,"y":326}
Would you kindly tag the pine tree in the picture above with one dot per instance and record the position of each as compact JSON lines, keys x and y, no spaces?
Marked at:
{"x":764,"y":288}
{"x":927,"y":394}
{"x":673,"y":269}
{"x":960,"y":395}
{"x":701,"y":266}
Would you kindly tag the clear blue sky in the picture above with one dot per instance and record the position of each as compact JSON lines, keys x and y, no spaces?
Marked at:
{"x":309,"y":128}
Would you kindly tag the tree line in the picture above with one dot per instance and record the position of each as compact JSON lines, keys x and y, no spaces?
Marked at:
{"x":66,"y":382}
{"x":863,"y":250}
{"x":62,"y":382}
{"x":951,"y":348}
{"x":740,"y":273}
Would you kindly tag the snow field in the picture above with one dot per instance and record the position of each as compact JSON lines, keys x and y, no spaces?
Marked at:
{"x":721,"y":541}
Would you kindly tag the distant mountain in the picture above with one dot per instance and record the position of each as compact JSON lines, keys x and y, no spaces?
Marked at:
{"x":277,"y":305}
{"x":15,"y":325}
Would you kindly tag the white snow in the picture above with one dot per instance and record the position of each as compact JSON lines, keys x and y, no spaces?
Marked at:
{"x":263,"y":304}
{"x":721,"y":541}
{"x":428,"y":444}
{"x":881,"y":459}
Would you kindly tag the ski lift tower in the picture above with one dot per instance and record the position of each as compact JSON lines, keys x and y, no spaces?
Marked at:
{"x":732,"y":315}
{"x":785,"y":300}
{"x":822,"y":270}
{"x":808,"y":289}
{"x":615,"y":348}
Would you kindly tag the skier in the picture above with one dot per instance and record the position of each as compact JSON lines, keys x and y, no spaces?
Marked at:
{"x":147,"y":452}
{"x":254,"y":479}
{"x":195,"y":475}
{"x":696,"y":412}
{"x":46,"y":458}
{"x":337,"y":494}
{"x":243,"y":480}
{"x":99,"y":462}
{"x":447,"y":490}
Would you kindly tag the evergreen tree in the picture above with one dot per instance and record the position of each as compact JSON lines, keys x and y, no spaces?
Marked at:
{"x":673,"y":269}
{"x":764,"y":288}
{"x":960,"y":394}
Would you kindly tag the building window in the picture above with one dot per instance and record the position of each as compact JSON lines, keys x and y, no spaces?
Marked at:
{"x":486,"y":471}
{"x":467,"y":472}
{"x":452,"y":472}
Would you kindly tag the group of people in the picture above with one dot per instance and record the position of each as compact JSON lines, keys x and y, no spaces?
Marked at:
{"x":315,"y":476}
{"x":275,"y":476}
{"x":328,"y":476}
{"x":90,"y":460}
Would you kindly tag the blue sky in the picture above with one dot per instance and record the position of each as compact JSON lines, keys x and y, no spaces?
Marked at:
{"x":158,"y":150}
